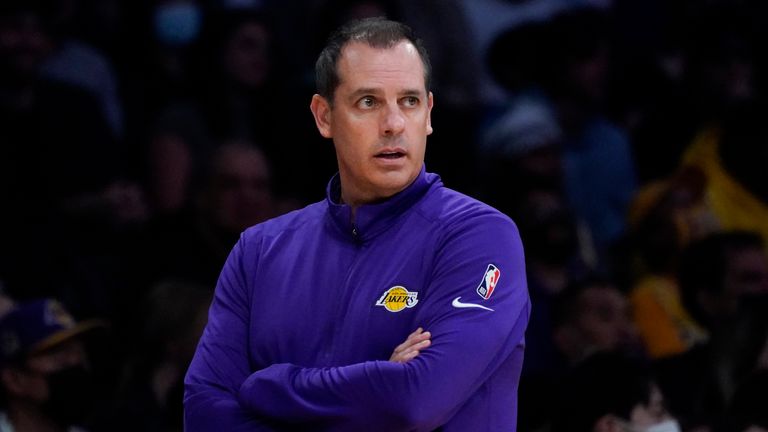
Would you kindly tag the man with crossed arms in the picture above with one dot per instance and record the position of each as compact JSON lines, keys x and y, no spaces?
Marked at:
{"x":388,"y":251}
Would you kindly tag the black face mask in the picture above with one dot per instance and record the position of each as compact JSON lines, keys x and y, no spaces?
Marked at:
{"x":71,"y":395}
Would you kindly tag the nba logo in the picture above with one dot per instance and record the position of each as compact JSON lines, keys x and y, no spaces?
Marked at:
{"x":490,"y":279}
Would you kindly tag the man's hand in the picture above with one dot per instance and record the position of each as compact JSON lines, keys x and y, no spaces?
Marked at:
{"x":408,"y":350}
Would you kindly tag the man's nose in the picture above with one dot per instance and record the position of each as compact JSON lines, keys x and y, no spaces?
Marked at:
{"x":393,"y":122}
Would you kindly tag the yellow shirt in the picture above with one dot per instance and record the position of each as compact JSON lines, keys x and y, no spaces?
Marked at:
{"x":733,"y":205}
{"x":665,"y":327}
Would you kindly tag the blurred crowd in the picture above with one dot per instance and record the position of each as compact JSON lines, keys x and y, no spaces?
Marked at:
{"x":626,"y":138}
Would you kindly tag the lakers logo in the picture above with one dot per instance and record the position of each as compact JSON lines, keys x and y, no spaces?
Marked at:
{"x":398,"y":298}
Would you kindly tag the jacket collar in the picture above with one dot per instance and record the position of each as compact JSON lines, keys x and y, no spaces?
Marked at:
{"x":372,"y":219}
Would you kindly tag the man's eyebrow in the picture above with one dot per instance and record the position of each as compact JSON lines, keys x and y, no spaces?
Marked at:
{"x":364,"y":91}
{"x":375,"y":91}
{"x":412,"y":92}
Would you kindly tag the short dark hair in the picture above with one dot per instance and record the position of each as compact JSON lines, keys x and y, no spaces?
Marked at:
{"x":377,"y":32}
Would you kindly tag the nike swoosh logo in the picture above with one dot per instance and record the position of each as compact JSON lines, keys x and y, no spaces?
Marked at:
{"x":459,"y":304}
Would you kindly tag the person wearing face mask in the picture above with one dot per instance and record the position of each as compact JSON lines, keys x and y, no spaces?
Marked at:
{"x":611,"y":392}
{"x":45,"y":379}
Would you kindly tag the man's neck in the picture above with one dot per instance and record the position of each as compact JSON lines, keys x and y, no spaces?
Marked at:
{"x":354,"y":204}
{"x":352,"y":207}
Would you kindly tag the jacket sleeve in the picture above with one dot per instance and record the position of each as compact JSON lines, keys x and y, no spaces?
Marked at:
{"x":469,"y":344}
{"x":220,"y":364}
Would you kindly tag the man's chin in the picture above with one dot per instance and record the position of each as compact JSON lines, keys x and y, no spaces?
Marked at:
{"x":396,"y":181}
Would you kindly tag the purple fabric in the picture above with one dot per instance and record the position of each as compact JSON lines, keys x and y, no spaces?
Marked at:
{"x":295,"y":340}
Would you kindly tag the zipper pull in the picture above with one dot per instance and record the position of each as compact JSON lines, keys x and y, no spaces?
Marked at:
{"x":354,"y":232}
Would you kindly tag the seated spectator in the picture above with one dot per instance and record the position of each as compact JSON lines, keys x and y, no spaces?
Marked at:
{"x":590,"y":316}
{"x":239,"y":97}
{"x":598,"y":164}
{"x":554,"y":262}
{"x":721,"y":183}
{"x":733,"y":158}
{"x":45,"y":374}
{"x":721,"y":278}
{"x":612,"y":393}
{"x":664,"y":218}
{"x":593,"y":316}
{"x":238,"y":193}
{"x":150,"y":396}
{"x":192,"y":245}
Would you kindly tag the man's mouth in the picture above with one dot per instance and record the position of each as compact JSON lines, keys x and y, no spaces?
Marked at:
{"x":390,"y":154}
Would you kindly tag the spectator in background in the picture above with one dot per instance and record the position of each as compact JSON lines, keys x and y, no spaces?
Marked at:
{"x":733,"y":158}
{"x":558,"y":71}
{"x":610,"y":392}
{"x":76,"y":62}
{"x":237,"y":193}
{"x":521,"y":172}
{"x":727,"y":148}
{"x":717,"y":275}
{"x":179,"y":141}
{"x":554,"y":264}
{"x":593,"y":316}
{"x":175,"y":26}
{"x":239,"y":189}
{"x":44,"y":370}
{"x":237,"y":97}
{"x":149,"y":398}
{"x":243,"y":97}
{"x":590,"y":316}
{"x":598,"y":165}
{"x":720,"y":186}
{"x":664,"y":219}
{"x":520,"y":147}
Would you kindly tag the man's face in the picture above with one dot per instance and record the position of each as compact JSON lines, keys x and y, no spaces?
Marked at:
{"x":747,"y":272}
{"x":240,"y":194}
{"x":379,"y":120}
{"x":605,"y":321}
{"x":30,"y":382}
{"x":246,"y":55}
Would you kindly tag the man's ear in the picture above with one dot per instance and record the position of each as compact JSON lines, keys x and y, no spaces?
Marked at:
{"x":321,"y":110}
{"x":430,"y":103}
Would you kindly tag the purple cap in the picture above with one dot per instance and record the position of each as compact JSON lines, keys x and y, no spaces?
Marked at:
{"x":34,"y":326}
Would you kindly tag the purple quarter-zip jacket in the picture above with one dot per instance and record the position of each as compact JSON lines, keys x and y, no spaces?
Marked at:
{"x":310,"y":306}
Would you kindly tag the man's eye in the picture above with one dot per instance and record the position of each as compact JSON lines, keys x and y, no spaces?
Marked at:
{"x":410,"y":101}
{"x":366,"y":102}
